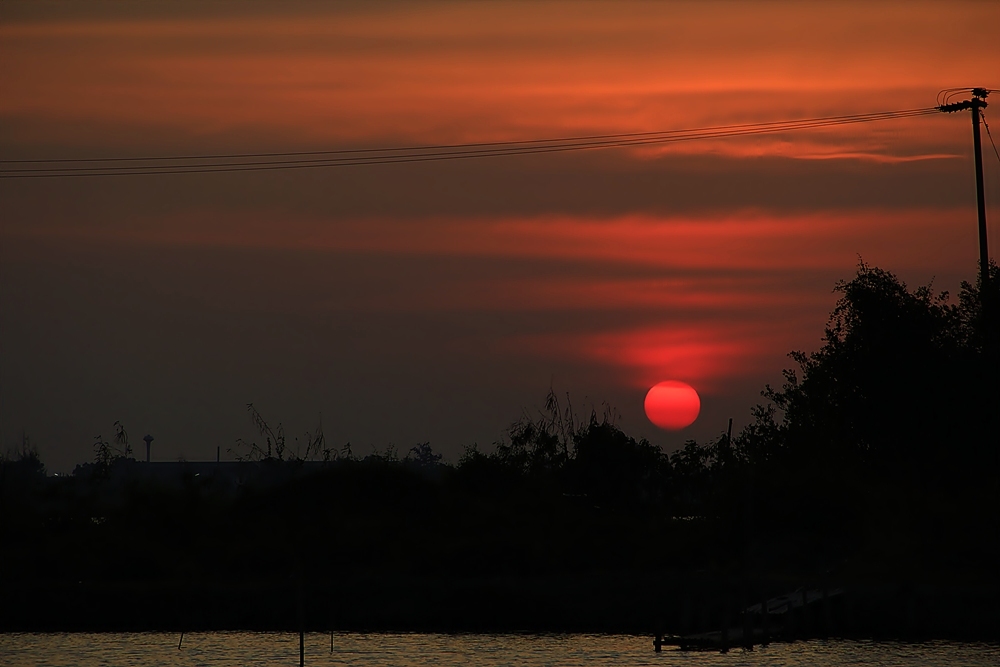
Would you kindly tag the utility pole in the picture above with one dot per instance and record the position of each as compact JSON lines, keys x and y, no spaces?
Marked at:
{"x":977,"y":104}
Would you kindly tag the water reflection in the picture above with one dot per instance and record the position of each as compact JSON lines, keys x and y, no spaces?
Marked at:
{"x":245,"y":648}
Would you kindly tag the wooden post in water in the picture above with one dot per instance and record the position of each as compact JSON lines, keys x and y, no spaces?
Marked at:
{"x":765,"y":618}
{"x":789,"y":620}
{"x":686,"y":616}
{"x":746,"y":621}
{"x":724,"y":622}
{"x":827,"y":622}
{"x":302,"y":631}
{"x":705,"y":609}
{"x":913,"y":624}
{"x":847,"y":615}
{"x":804,"y":624}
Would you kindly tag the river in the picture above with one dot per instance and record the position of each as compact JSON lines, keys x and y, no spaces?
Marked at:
{"x":244,"y":649}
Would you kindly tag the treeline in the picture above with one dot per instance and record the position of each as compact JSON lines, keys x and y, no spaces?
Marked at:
{"x":878,"y":454}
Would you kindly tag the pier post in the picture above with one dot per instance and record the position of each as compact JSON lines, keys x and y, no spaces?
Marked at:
{"x":914,"y":630}
{"x":686,"y":616}
{"x":804,"y":625}
{"x":302,"y":630}
{"x":765,"y":619}
{"x":789,"y":621}
{"x":724,"y":622}
{"x":746,"y":621}
{"x":827,"y":618}
{"x":847,"y":614}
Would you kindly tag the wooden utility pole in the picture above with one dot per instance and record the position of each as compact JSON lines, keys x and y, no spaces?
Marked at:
{"x":976,"y":105}
{"x":984,"y":253}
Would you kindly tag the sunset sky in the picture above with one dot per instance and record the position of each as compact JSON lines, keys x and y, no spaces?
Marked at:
{"x":437,"y":301}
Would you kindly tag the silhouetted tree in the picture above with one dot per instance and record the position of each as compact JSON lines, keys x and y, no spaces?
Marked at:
{"x":613,"y":467}
{"x":21,"y":465}
{"x":423,"y":455}
{"x":888,"y":422}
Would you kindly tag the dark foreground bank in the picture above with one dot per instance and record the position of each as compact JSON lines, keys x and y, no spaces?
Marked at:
{"x":670,"y":604}
{"x":399,"y":546}
{"x":845,"y":479}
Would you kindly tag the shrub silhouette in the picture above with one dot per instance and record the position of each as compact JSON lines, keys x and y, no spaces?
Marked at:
{"x":887,"y":424}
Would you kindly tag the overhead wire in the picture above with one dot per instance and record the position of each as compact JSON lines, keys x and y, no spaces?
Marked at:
{"x":236,"y":162}
{"x":990,"y":135}
{"x":846,"y":118}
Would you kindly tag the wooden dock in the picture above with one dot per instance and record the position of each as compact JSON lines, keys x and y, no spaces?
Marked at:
{"x":800,"y":614}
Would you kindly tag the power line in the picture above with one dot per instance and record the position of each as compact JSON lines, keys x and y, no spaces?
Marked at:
{"x":422,"y":154}
{"x":990,"y":135}
{"x":122,"y":166}
{"x":844,"y":118}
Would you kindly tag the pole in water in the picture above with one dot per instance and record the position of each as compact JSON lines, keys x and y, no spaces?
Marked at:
{"x":724,"y":622}
{"x":765,"y":613}
{"x":296,"y":578}
{"x":302,"y":633}
{"x":746,"y":621}
{"x":302,"y":637}
{"x":827,"y":616}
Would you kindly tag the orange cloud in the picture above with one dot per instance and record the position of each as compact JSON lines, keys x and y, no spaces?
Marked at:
{"x":430,"y":72}
{"x":749,"y":240}
{"x":705,"y":355}
{"x":446,"y":73}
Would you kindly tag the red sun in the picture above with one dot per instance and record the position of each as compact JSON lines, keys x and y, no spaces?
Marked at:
{"x":672,"y":405}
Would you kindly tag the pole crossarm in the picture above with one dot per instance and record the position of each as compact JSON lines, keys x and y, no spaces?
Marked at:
{"x":961,"y":106}
{"x":978,"y":101}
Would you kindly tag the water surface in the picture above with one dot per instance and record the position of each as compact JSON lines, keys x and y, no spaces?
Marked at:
{"x":391,"y":650}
